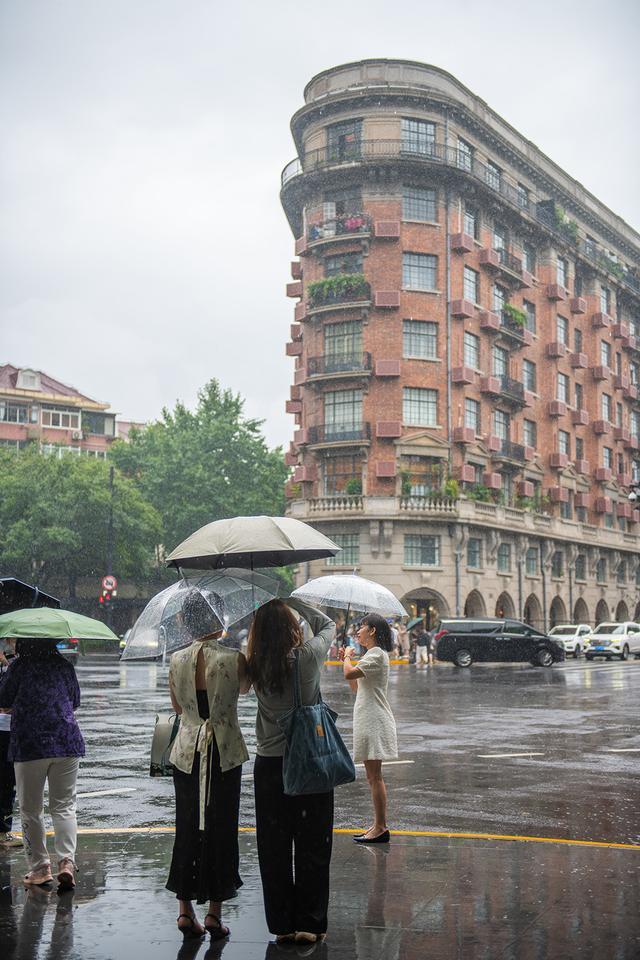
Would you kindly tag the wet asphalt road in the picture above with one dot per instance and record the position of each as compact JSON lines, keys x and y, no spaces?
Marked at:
{"x":571,"y":719}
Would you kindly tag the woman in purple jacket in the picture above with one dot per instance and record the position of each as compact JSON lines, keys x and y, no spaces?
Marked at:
{"x":41,"y":690}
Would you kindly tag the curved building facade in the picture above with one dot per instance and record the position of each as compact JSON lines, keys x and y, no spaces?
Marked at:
{"x":466,"y":347}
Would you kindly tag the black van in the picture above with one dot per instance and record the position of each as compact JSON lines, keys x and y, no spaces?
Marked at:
{"x":463,"y":640}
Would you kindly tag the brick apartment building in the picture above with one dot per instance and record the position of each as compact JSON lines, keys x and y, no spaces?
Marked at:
{"x":467,"y":355}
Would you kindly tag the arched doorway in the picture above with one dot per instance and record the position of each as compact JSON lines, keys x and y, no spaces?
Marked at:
{"x":622,"y":612}
{"x":533,"y":612}
{"x":602,"y":611}
{"x":580,"y":611}
{"x":474,"y":605}
{"x":558,"y":612}
{"x":504,"y":606}
{"x":426,"y":603}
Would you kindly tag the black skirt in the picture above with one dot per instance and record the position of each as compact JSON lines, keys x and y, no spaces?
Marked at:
{"x":204,"y":865}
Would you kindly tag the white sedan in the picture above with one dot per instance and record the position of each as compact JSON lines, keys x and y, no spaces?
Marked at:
{"x":614,"y":640}
{"x":572,"y":636}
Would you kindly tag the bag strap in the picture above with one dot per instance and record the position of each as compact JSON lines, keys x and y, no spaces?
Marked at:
{"x":297,"y":690}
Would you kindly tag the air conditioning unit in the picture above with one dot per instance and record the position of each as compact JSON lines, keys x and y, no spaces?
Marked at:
{"x":76,"y":435}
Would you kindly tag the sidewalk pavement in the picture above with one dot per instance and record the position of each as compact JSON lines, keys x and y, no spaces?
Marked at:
{"x":420,"y":898}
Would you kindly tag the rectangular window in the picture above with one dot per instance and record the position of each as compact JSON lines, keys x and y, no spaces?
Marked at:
{"x":342,"y":345}
{"x":345,"y":201}
{"x":499,"y":298}
{"x":530,"y":311}
{"x":619,"y":415}
{"x":529,"y":375}
{"x":344,"y":140}
{"x":528,"y":257}
{"x":504,"y":558}
{"x":424,"y":475}
{"x":343,"y":263}
{"x":60,"y":419}
{"x":421,"y":551}
{"x":562,"y":330}
{"x":471,"y":222}
{"x":471,"y":284}
{"x":581,"y":567}
{"x":605,"y":407}
{"x":418,"y":136}
{"x":501,"y":424}
{"x":579,"y":396}
{"x":343,"y":414}
{"x":499,"y":236}
{"x":418,"y":204}
{"x":605,"y":300}
{"x":562,"y":388}
{"x":471,"y":351}
{"x":472,"y":414}
{"x":499,"y":362}
{"x":564,"y":442}
{"x":557,"y":564}
{"x":474,"y":553}
{"x":634,"y":423}
{"x":577,"y":340}
{"x":530,"y":433}
{"x":493,"y":175}
{"x":633,"y":373}
{"x":579,"y":448}
{"x":607,"y":457}
{"x":605,"y":353}
{"x":523,"y":198}
{"x":532,"y":561}
{"x":420,"y":339}
{"x":465,"y":155}
{"x":349,"y":555}
{"x":608,"y":521}
{"x":342,"y":474}
{"x":13,"y":413}
{"x":601,"y":570}
{"x":419,"y":271}
{"x":562,"y":272}
{"x":419,"y":407}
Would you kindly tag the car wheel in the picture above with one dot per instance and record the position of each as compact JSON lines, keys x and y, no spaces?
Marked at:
{"x":625,"y":653}
{"x":462,"y":658}
{"x":544,"y":657}
{"x":588,"y":656}
{"x":576,"y":651}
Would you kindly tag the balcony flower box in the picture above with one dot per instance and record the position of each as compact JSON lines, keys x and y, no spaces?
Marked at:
{"x":578,"y":305}
{"x":342,"y":288}
{"x":558,"y":461}
{"x":580,"y":418}
{"x":620,"y":331}
{"x":623,"y":510}
{"x":296,"y":270}
{"x":621,"y":381}
{"x":603,"y":505}
{"x":294,"y":348}
{"x":557,"y":408}
{"x":294,"y":289}
{"x":387,"y":229}
{"x":387,"y":368}
{"x":601,"y":427}
{"x":556,"y":349}
{"x":555,"y":292}
{"x":621,"y":433}
{"x":387,"y":299}
{"x":489,"y":321}
{"x":602,"y":474}
{"x":600,"y":373}
{"x":559,"y":494}
{"x":600,"y":321}
{"x":461,"y":309}
{"x":463,"y":435}
{"x":385,"y":468}
{"x":579,"y":361}
{"x":468,"y":473}
{"x":525,"y":488}
{"x":462,"y":375}
{"x":583,"y":467}
{"x":388,"y":429}
{"x":462,"y":243}
{"x":492,"y":480}
{"x":582,"y":500}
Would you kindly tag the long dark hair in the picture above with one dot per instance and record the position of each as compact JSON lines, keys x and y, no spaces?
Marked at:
{"x":273,"y":635}
{"x":382,"y":629}
{"x":28,"y":648}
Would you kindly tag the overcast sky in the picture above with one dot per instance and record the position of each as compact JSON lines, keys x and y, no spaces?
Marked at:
{"x":143,"y":249}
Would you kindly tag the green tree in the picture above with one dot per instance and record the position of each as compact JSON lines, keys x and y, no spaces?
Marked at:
{"x":200,"y":465}
{"x":54,"y":520}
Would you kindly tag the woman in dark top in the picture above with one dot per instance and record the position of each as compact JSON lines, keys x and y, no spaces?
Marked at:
{"x":41,"y":690}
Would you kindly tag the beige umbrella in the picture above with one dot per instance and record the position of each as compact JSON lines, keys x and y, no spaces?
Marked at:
{"x":251,"y":542}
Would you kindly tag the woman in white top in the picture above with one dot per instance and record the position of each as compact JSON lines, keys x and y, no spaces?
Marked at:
{"x":374,"y":728}
{"x":207,"y":756}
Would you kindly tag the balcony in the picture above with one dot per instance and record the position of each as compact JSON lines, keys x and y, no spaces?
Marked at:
{"x":502,"y":263}
{"x":512,"y":391}
{"x":514,"y":331}
{"x":340,"y":434}
{"x":339,"y":366}
{"x":338,"y":229}
{"x":509,"y":453}
{"x":345,"y":291}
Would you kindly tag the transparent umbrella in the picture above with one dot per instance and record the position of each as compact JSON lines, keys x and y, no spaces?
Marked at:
{"x":350,"y":592}
{"x":231,"y":594}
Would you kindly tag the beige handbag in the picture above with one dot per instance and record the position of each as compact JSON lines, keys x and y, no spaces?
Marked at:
{"x":165,"y":732}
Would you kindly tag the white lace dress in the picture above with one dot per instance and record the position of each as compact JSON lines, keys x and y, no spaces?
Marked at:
{"x":374,"y":729}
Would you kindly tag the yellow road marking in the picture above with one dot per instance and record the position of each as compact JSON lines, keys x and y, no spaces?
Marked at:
{"x":437,"y":834}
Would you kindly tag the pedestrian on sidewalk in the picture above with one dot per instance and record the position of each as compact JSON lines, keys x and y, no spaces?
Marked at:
{"x":423,"y":648}
{"x":42,"y":691}
{"x":7,"y":773}
{"x":374,"y":727}
{"x":205,"y":680}
{"x":291,"y":831}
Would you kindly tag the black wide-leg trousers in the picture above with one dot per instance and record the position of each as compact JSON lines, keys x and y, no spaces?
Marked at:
{"x":295,"y":836}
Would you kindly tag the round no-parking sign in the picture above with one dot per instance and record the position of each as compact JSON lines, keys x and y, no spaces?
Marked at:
{"x":109,"y":582}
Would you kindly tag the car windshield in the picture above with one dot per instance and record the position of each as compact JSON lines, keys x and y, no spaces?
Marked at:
{"x":563,"y":631}
{"x":609,"y":628}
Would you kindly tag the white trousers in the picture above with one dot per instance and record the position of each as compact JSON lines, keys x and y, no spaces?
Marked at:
{"x":31,"y":776}
{"x":422,"y":655}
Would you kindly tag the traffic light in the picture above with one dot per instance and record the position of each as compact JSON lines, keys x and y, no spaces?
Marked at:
{"x":105,"y":599}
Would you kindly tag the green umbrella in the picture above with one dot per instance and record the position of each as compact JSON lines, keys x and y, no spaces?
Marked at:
{"x":412,"y":623}
{"x":48,"y":624}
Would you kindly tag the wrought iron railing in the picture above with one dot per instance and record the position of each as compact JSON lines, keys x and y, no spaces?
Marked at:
{"x":350,"y":225}
{"x":509,"y":325}
{"x":511,"y":451}
{"x":339,"y":432}
{"x":338,"y":363}
{"x":512,"y":389}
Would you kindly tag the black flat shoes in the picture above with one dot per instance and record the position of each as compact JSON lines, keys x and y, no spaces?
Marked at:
{"x":381,"y":838}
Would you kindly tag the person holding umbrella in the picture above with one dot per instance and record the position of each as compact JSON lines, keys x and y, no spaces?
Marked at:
{"x":374,"y":727}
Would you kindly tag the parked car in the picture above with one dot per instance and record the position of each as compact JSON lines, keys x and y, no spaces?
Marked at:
{"x":464,"y":640}
{"x":572,"y":635}
{"x":614,"y":640}
{"x":68,"y":648}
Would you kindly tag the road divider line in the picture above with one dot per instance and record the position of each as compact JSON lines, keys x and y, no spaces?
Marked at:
{"x":623,"y":750}
{"x":107,"y":793}
{"x":435,"y":834}
{"x":501,"y":756}
{"x":390,"y":763}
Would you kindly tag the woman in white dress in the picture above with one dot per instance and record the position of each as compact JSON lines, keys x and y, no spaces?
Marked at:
{"x":374,"y":728}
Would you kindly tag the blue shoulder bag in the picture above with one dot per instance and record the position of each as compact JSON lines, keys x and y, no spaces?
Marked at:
{"x":315,"y":758}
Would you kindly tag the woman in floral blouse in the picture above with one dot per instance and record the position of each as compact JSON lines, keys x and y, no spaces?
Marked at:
{"x":205,"y":680}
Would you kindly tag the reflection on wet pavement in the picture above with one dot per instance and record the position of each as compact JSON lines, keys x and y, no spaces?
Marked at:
{"x":416,"y":899}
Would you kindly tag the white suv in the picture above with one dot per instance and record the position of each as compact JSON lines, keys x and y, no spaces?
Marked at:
{"x":614,"y":640}
{"x":572,"y":636}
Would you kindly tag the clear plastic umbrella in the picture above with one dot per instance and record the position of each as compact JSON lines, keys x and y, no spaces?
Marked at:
{"x":350,"y":592}
{"x":231,"y":594}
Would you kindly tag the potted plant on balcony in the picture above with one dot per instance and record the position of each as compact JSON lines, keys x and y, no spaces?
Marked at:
{"x":353,"y":487}
{"x":516,"y":317}
{"x":451,"y":489}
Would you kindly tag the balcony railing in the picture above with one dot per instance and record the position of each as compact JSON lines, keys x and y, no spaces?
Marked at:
{"x":343,"y":288}
{"x":509,"y":328}
{"x":339,"y":363}
{"x":350,"y":225}
{"x":377,"y":151}
{"x":340,"y":433}
{"x":512,"y":389}
{"x":513,"y":452}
